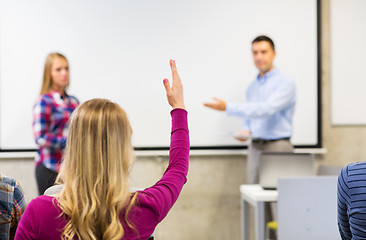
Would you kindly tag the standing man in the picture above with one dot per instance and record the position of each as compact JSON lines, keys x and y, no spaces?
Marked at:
{"x":269,"y":109}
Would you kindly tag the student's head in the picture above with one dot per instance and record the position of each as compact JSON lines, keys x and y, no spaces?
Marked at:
{"x":95,"y":171}
{"x":56,"y":73}
{"x":263,"y":50}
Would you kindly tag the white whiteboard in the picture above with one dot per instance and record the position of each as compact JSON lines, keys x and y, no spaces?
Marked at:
{"x":348,"y":51}
{"x":120,"y":50}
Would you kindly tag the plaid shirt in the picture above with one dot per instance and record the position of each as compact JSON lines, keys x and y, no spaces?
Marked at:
{"x":51,"y":116}
{"x":12,"y":206}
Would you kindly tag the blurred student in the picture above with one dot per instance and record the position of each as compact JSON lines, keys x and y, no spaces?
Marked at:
{"x":352,"y":201}
{"x":51,"y":114}
{"x":95,"y":201}
{"x":12,"y":206}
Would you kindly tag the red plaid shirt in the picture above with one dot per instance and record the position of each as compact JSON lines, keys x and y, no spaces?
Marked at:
{"x":51,"y":114}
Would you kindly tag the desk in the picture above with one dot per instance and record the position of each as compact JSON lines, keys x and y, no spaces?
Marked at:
{"x":255,"y":196}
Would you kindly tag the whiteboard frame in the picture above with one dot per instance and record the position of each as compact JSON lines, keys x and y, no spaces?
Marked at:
{"x":318,"y":145}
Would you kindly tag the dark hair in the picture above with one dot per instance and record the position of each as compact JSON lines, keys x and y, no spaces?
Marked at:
{"x":264,"y":38}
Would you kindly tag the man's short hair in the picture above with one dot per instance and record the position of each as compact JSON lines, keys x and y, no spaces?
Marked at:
{"x":264,"y":38}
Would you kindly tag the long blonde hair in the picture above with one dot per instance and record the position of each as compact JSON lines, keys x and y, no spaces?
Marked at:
{"x":47,"y":79}
{"x":95,"y":172}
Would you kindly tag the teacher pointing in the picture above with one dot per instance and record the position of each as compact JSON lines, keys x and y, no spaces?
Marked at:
{"x":268,"y":111}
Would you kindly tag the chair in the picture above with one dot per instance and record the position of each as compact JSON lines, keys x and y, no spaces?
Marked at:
{"x":323,"y":170}
{"x":307,"y":208}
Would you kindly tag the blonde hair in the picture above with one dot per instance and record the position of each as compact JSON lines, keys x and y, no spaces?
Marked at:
{"x":47,"y":79}
{"x":95,"y":172}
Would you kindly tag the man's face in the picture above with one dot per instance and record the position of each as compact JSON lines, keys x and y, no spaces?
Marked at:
{"x":263,"y":56}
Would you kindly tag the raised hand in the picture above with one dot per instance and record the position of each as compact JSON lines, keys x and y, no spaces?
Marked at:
{"x":174,"y":93}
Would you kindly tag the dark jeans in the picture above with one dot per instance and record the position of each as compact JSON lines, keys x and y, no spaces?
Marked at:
{"x":45,"y":178}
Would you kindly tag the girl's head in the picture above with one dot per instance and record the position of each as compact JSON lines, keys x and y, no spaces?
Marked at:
{"x":95,"y":171}
{"x":56,"y":73}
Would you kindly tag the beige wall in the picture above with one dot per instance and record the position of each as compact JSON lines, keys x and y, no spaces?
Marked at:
{"x":345,"y":144}
{"x":208,"y":207}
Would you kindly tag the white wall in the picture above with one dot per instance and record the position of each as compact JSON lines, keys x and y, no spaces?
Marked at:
{"x":348,"y":50}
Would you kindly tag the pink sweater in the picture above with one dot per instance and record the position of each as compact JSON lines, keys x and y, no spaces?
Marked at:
{"x":40,"y":219}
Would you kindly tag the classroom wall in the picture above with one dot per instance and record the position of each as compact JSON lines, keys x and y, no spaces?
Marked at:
{"x":345,"y":144}
{"x":209,"y":205}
